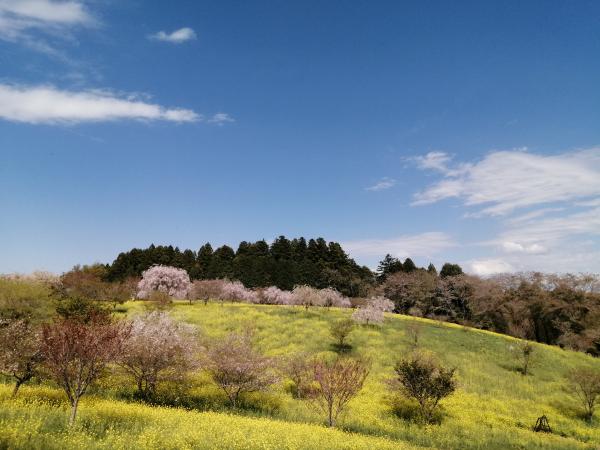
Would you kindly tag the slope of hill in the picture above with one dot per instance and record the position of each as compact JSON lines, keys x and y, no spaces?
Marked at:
{"x":494,"y":407}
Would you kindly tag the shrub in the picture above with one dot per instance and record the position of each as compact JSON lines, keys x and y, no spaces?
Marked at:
{"x":237,"y":367}
{"x":336,"y":383}
{"x":340,"y":330}
{"x":585,"y":385}
{"x":422,"y":379}
{"x":298,"y":369}
{"x":523,"y":352}
{"x":157,"y":349}
{"x":170,"y":280}
{"x":20,"y":353}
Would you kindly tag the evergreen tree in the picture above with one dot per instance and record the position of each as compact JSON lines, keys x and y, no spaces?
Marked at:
{"x":387,"y":266}
{"x":450,"y":270}
{"x":431,"y":269}
{"x":409,"y":265}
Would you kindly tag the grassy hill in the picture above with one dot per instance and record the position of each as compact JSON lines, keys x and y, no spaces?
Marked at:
{"x":494,"y":407}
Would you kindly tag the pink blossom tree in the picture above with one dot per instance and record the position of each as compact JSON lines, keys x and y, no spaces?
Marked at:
{"x":331,"y":297}
{"x":170,"y":280}
{"x":307,"y":296}
{"x":275,"y":296}
{"x":236,"y":291}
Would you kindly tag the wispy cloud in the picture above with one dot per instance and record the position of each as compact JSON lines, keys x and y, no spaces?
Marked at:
{"x":382,"y":185}
{"x":504,"y":181}
{"x":220,"y":119}
{"x":176,"y":37}
{"x":46,"y":104}
{"x":423,"y":244}
{"x":24,"y":21}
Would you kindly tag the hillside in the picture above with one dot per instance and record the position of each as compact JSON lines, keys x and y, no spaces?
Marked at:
{"x":494,"y":407}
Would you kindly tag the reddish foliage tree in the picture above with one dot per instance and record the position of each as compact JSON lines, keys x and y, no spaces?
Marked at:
{"x":76,"y":353}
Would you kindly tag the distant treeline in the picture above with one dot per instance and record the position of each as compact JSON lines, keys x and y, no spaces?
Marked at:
{"x":285,"y":263}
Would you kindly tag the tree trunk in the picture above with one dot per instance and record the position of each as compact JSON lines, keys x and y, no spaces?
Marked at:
{"x":73,"y":411}
{"x":331,"y":421}
{"x":16,"y":389}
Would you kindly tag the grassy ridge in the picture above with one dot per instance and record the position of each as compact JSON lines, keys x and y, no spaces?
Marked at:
{"x":494,"y":407}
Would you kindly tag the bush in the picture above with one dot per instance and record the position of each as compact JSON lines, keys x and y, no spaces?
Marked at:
{"x":422,"y":379}
{"x":340,"y":330}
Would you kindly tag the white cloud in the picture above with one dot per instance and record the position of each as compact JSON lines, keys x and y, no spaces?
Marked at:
{"x":423,"y":244}
{"x":383,"y":184}
{"x":486,"y":267}
{"x":44,"y":104}
{"x":221,"y":119}
{"x":515,"y":247}
{"x":175,"y":37}
{"x":21,"y":19}
{"x":504,"y":181}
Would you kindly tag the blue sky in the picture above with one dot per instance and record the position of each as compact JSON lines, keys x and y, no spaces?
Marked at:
{"x":443,"y":131}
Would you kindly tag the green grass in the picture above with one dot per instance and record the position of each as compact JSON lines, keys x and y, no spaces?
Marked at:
{"x":494,"y":407}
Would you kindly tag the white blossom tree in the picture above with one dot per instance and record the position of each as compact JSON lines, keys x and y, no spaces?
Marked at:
{"x":170,"y":280}
{"x":157,"y":349}
{"x":331,"y":297}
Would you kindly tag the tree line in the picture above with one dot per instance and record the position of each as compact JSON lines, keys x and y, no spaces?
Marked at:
{"x":284,"y":263}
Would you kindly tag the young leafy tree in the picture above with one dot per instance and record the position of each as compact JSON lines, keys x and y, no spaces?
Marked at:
{"x":336,"y":383}
{"x":585,"y":385}
{"x":238,"y":367}
{"x":340,"y":330}
{"x":422,"y":379}
{"x":170,"y":280}
{"x":158,"y":349}
{"x":20,"y":353}
{"x":75,"y":353}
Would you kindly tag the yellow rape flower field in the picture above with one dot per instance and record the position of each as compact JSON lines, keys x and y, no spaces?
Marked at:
{"x":494,"y":407}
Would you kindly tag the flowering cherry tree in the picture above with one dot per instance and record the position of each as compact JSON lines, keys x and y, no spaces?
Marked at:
{"x":307,"y":296}
{"x":158,"y":348}
{"x":382,"y":304}
{"x":236,"y":291}
{"x":331,"y":297}
{"x":367,"y":315}
{"x":170,"y":280}
{"x":275,"y":296}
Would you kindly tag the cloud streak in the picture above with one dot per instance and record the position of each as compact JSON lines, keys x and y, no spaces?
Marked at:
{"x":423,"y":244}
{"x":48,"y":105}
{"x":176,"y":37}
{"x":382,"y":185}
